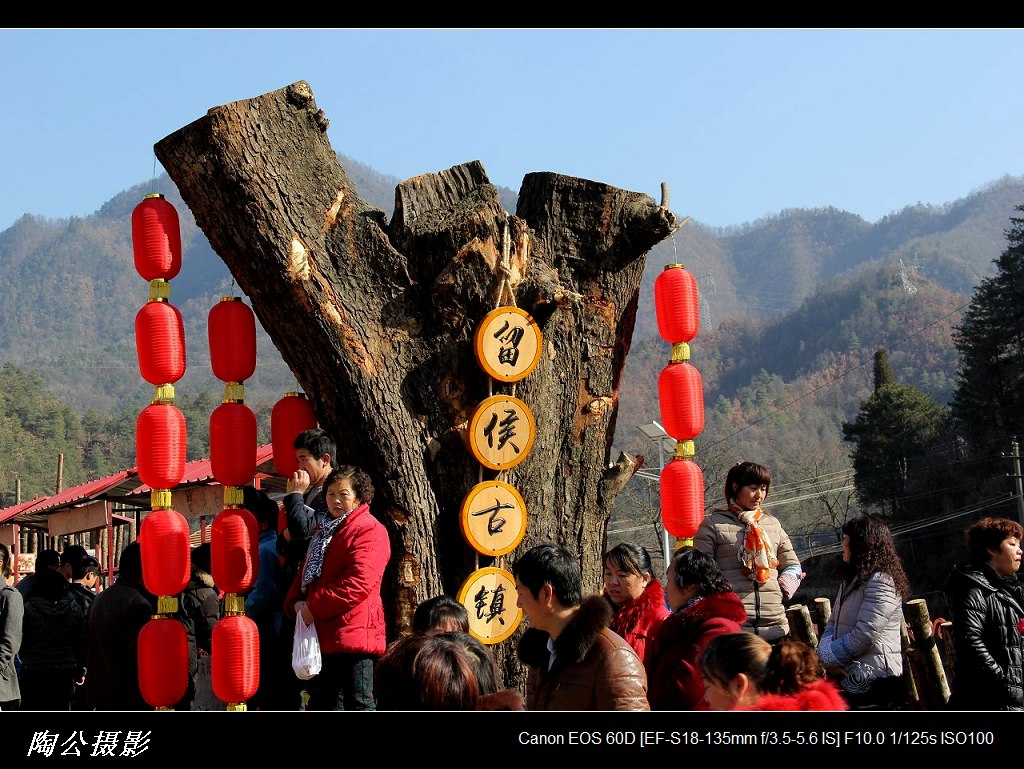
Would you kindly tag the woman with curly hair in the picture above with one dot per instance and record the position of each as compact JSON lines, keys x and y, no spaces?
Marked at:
{"x":860,"y":644}
{"x":636,"y":596}
{"x":742,"y":671}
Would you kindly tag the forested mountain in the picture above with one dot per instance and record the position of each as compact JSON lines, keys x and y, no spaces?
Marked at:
{"x":793,"y":307}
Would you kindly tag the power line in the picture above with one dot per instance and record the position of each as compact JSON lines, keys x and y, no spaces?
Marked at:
{"x":898,"y":531}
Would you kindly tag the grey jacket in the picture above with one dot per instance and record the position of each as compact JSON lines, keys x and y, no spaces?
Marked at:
{"x":865,"y":626}
{"x":719,"y":535}
{"x":12,"y":613}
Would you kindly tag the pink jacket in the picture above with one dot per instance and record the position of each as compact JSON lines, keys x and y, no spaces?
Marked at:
{"x":345,"y":599}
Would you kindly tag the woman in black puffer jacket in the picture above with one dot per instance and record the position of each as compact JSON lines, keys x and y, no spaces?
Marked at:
{"x":988,"y":618}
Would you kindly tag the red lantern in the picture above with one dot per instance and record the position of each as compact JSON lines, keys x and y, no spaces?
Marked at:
{"x":160,"y":342}
{"x":681,"y":396}
{"x":163,"y":662}
{"x":682,"y":497}
{"x":160,"y":444}
{"x":234,"y":550}
{"x":166,"y":552}
{"x":156,"y":238}
{"x":233,"y":444}
{"x":235,"y":659}
{"x":232,"y":333}
{"x":290,"y":416}
{"x":675,"y":302}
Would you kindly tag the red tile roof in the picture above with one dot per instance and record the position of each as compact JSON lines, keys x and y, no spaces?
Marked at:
{"x":7,"y":513}
{"x":127,"y":483}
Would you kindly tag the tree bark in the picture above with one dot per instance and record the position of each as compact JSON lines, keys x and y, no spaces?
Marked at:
{"x":376,"y":321}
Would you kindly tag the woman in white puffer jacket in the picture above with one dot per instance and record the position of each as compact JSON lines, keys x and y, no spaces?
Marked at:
{"x":860,"y":644}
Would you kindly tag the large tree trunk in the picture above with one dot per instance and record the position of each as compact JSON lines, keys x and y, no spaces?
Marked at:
{"x":376,"y":320}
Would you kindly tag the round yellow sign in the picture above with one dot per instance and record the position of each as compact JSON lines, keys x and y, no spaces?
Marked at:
{"x":489,"y":595}
{"x":501,"y":432}
{"x":507,"y":344}
{"x":493,"y":518}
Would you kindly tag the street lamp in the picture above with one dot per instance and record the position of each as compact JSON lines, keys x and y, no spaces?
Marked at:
{"x":655,"y":433}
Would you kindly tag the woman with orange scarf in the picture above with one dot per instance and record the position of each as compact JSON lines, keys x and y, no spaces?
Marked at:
{"x":753,"y":550}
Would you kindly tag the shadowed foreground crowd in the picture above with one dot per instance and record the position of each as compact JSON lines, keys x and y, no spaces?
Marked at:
{"x":713,"y":637}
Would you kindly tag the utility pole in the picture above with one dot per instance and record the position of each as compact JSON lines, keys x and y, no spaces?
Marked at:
{"x":1015,"y":456}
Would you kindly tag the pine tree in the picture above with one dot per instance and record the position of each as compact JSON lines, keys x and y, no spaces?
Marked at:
{"x":988,"y":402}
{"x":883,"y":371}
{"x":894,"y":430}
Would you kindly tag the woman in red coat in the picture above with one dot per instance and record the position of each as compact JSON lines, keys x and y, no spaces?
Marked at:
{"x":703,"y":606}
{"x":636,"y":596}
{"x":338,"y":589}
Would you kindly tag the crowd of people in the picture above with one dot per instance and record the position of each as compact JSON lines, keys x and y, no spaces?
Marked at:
{"x":712,"y":636}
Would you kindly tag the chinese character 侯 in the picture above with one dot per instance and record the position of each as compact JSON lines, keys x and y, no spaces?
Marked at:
{"x":506,"y":432}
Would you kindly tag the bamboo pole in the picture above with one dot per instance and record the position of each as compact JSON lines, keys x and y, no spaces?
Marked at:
{"x":800,"y":625}
{"x":937,"y":690}
{"x":912,"y":666}
{"x":822,"y":612}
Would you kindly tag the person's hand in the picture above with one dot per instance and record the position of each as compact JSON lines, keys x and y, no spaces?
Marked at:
{"x":302,"y":610}
{"x":789,"y":583}
{"x":298,"y":482}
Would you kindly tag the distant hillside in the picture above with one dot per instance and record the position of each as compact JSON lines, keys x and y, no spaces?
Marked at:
{"x":69,"y":293}
{"x":787,"y":302}
{"x":774,"y":264}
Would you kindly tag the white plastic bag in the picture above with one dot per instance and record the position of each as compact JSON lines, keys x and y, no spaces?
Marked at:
{"x":306,"y":659}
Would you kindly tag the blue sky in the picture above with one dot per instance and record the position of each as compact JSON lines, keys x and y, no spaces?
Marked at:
{"x":742,"y":123}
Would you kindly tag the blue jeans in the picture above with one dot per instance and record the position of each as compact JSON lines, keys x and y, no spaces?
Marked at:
{"x":345,"y":682}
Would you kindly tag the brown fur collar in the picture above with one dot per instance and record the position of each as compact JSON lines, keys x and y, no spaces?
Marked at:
{"x":593,"y":615}
{"x":201,"y":578}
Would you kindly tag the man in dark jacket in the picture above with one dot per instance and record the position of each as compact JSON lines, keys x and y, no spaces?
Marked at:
{"x":112,"y":633}
{"x":304,"y":503}
{"x":46,"y":559}
{"x":305,"y":507}
{"x":199,"y":610}
{"x":575,"y":661}
{"x":988,"y":618}
{"x":85,"y":575}
{"x":51,"y":647}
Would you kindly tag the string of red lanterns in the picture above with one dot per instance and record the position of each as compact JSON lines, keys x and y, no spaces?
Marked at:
{"x":160,"y":446}
{"x":234,"y":537}
{"x":681,"y":397}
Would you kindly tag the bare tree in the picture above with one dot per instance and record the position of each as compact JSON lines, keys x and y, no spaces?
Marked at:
{"x":376,"y":320}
